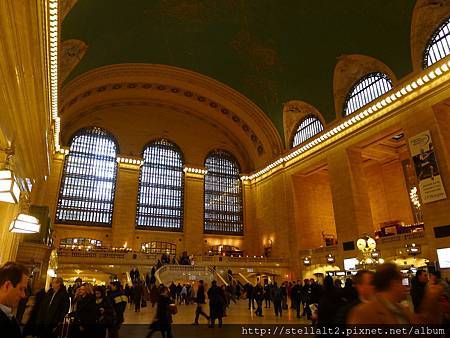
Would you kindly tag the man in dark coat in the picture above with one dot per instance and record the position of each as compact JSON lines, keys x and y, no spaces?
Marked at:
{"x":296,"y":296}
{"x":365,"y":289}
{"x":119,"y":302}
{"x":13,"y":283}
{"x":276,"y":299}
{"x":52,"y":310}
{"x":201,"y":299}
{"x":216,"y":304}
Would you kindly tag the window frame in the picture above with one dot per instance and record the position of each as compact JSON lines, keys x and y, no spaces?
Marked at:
{"x":160,"y":228}
{"x":78,"y":133}
{"x":431,"y":42}
{"x":241,"y":195}
{"x":296,"y":130}
{"x":350,"y":94}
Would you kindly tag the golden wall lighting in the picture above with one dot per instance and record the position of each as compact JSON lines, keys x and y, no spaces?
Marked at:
{"x":25,"y":224}
{"x":9,"y":189}
{"x":307,"y":261}
{"x":384,"y":104}
{"x":330,"y":259}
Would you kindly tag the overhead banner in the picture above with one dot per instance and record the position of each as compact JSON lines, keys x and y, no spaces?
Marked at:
{"x":427,"y":170}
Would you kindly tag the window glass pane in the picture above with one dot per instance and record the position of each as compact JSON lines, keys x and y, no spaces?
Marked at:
{"x":160,"y":200}
{"x":223,"y":195}
{"x":367,"y":89}
{"x":309,"y":127}
{"x":80,"y":243}
{"x":439,"y":45}
{"x":89,"y":178}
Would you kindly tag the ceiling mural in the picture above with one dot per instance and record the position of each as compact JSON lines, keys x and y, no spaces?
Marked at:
{"x":271,"y":51}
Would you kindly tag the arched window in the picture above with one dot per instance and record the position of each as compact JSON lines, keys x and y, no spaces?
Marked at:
{"x":307,"y":128}
{"x":223,"y":194}
{"x":86,"y":195}
{"x":439,"y":45}
{"x":367,"y":89}
{"x":160,"y":199}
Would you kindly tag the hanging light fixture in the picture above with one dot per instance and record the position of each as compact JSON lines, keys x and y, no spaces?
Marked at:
{"x":25,"y":223}
{"x":9,"y":189}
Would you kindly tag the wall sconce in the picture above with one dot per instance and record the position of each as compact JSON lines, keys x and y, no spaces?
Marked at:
{"x":330,"y":259}
{"x":24,"y":223}
{"x":307,"y":261}
{"x":9,"y":189}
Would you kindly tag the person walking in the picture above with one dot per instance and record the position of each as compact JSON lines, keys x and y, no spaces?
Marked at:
{"x":85,"y":313}
{"x":216,"y":304}
{"x":119,"y":303}
{"x":276,"y":299}
{"x":385,"y":308}
{"x":163,"y":318}
{"x":137,"y":295}
{"x":105,"y":313}
{"x":13,"y":283}
{"x":296,"y":296}
{"x":267,"y":297}
{"x":329,"y":304}
{"x":201,"y":300}
{"x":363,"y":282}
{"x":53,"y":309}
{"x":418,"y":285}
{"x":259,"y":295}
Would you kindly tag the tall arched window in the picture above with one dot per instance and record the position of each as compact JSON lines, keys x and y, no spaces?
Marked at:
{"x":86,"y":195}
{"x":307,"y":128}
{"x":438,"y":46}
{"x":160,"y":199}
{"x":223,"y":194}
{"x":367,"y":89}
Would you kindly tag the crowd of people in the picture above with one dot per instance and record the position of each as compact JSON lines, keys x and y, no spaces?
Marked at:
{"x":84,"y":310}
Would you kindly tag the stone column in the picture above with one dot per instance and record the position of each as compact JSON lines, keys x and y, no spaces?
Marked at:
{"x":124,"y":216}
{"x":436,"y":119}
{"x":350,"y":195}
{"x":193,"y":213}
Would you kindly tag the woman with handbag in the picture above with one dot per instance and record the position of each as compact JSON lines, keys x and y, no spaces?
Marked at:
{"x":163,"y":318}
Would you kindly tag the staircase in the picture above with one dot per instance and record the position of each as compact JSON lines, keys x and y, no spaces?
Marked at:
{"x":168,"y":273}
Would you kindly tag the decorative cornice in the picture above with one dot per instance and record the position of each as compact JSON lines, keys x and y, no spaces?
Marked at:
{"x":407,"y":90}
{"x":185,"y":83}
{"x":187,"y":94}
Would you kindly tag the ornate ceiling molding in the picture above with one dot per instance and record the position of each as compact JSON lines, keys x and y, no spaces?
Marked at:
{"x":182,"y":84}
{"x":73,"y":125}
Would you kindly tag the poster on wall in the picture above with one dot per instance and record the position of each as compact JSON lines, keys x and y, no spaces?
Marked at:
{"x":427,"y":171}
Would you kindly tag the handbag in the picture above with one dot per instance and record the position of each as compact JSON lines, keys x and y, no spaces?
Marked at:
{"x":173,"y":309}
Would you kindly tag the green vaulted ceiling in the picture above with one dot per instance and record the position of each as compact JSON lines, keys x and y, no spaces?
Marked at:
{"x":272,"y":51}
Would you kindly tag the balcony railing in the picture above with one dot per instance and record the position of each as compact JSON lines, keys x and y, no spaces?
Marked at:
{"x":109,"y":255}
{"x":226,"y":260}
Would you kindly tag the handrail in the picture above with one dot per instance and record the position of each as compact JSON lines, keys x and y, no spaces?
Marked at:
{"x":215,"y":273}
{"x":244,"y":278}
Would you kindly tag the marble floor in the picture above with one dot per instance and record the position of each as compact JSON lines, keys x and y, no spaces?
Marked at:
{"x":136,"y":324}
